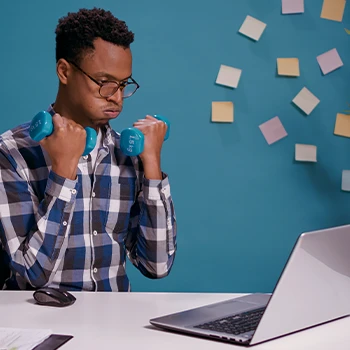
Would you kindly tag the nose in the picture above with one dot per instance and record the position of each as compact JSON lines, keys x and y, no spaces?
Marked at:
{"x":117,"y":98}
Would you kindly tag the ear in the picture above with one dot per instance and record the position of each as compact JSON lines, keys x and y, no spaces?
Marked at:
{"x":63,"y":69}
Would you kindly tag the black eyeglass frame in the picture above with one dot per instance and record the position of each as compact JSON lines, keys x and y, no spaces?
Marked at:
{"x":121,"y":85}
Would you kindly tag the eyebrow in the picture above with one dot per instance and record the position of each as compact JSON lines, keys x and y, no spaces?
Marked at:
{"x":110,"y":77}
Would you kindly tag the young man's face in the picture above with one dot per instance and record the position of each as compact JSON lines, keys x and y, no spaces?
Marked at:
{"x":108,"y":62}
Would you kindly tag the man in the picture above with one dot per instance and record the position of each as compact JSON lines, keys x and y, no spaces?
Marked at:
{"x":68,"y":221}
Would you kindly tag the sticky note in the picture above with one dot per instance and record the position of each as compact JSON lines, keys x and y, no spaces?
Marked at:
{"x":306,"y":101}
{"x":329,"y":61}
{"x":333,"y":10}
{"x":222,"y":112}
{"x":292,"y":6}
{"x":305,"y":153}
{"x":342,"y":125}
{"x":273,"y":130}
{"x":228,"y":76}
{"x":345,"y":182}
{"x":252,"y":28}
{"x":288,"y":66}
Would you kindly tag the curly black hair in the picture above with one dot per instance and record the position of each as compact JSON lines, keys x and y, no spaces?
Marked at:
{"x":76,"y":32}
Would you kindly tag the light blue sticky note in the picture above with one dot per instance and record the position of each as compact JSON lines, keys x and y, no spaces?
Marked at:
{"x":345,"y":183}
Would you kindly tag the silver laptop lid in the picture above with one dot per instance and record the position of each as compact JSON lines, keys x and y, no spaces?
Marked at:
{"x":314,"y":287}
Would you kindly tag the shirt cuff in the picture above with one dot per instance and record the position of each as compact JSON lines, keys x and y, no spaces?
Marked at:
{"x":62,"y":188}
{"x":156,"y":189}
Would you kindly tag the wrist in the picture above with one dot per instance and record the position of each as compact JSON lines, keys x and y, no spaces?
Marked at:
{"x":151,"y":168}
{"x":68,"y":171}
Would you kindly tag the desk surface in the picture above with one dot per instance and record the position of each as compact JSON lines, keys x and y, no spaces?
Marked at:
{"x":120,"y":320}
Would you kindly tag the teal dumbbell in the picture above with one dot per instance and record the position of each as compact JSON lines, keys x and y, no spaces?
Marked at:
{"x":132,"y":139}
{"x":42,"y":126}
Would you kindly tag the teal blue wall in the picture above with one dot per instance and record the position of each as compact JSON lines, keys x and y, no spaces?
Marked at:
{"x":240,"y":203}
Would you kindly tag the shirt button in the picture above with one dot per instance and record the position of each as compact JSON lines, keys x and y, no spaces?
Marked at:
{"x":93,"y":194}
{"x":74,"y":191}
{"x":94,"y":233}
{"x":169,"y":222}
{"x":85,"y":157}
{"x":65,"y":223}
{"x":163,"y":190}
{"x":95,"y":270}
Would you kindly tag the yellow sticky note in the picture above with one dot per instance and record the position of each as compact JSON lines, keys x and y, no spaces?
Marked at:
{"x":288,"y":66}
{"x":333,"y":10}
{"x":342,"y":125}
{"x":222,"y":112}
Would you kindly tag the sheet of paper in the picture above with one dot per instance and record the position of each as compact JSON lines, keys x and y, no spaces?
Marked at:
{"x":273,"y":130}
{"x":228,"y":76}
{"x":23,"y":339}
{"x":222,"y":112}
{"x":252,"y":28}
{"x":333,"y":10}
{"x":288,"y":67}
{"x":342,"y":125}
{"x":329,"y":61}
{"x":305,"y":153}
{"x":306,"y":101}
{"x":345,"y":182}
{"x":292,"y":6}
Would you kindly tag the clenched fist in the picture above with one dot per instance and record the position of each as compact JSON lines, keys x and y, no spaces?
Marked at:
{"x":65,"y":146}
{"x":154,"y":131}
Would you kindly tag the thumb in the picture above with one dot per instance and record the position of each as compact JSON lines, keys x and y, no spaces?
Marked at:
{"x":57,"y":121}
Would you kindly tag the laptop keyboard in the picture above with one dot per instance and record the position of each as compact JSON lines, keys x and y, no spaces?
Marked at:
{"x":236,"y":324}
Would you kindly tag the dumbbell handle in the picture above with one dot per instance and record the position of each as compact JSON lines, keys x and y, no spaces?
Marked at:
{"x":42,"y":126}
{"x":132,"y":139}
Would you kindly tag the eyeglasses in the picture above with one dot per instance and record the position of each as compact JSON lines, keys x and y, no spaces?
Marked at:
{"x":109,"y":87}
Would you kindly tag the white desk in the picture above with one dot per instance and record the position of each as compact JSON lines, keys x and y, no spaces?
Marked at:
{"x":120,"y":321}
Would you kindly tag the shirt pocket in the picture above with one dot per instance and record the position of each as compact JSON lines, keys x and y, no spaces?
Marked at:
{"x":122,"y":198}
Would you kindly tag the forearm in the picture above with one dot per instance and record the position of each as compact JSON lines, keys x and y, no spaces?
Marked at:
{"x":152,"y":169}
{"x":152,"y":236}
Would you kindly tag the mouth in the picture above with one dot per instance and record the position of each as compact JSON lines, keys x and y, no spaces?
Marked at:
{"x":111,"y":113}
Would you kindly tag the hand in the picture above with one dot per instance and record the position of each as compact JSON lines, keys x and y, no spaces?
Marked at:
{"x":154,"y":131}
{"x":65,"y":146}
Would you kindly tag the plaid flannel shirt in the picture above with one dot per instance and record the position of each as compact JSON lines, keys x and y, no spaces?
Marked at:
{"x":76,"y":234}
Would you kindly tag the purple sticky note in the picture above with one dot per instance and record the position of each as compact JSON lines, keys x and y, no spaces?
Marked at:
{"x":292,"y":6}
{"x":273,"y":130}
{"x":329,"y":61}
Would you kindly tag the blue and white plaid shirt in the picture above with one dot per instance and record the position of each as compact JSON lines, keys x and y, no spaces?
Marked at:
{"x":75,"y":234}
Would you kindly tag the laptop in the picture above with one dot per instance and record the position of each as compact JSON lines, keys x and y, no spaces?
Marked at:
{"x":313,"y":288}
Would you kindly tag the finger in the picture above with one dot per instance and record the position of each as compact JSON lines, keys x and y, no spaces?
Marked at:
{"x":58,"y":121}
{"x":138,"y":124}
{"x":73,"y":125}
{"x":150,"y":117}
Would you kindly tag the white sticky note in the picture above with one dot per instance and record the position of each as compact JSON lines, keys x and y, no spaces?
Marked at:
{"x":329,"y":61}
{"x":273,"y":130}
{"x":305,"y":153}
{"x":292,"y":6}
{"x":306,"y":101}
{"x":228,"y":76}
{"x":345,"y":182}
{"x":252,"y":28}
